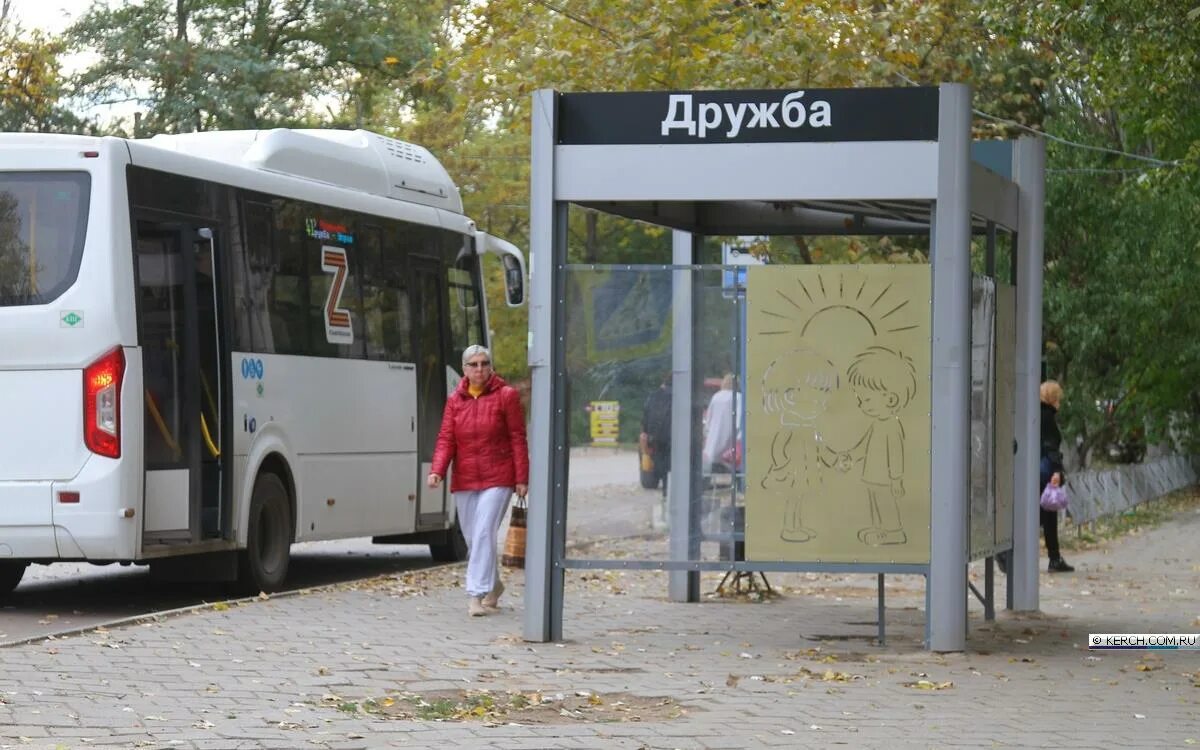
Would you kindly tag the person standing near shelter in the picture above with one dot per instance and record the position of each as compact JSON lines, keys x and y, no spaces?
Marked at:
{"x":1051,"y":471}
{"x":722,"y":427}
{"x":483,"y":435}
{"x":656,"y":429}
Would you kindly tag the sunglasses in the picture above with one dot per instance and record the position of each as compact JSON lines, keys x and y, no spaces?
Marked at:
{"x":485,"y":363}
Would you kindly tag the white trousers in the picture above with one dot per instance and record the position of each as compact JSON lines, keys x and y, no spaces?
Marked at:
{"x":479,"y":515}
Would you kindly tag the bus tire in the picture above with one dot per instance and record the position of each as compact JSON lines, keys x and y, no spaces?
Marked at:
{"x":454,"y":549}
{"x":10,"y":575}
{"x":264,"y":563}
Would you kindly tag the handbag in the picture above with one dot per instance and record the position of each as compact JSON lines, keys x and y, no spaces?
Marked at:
{"x":732,"y":456}
{"x":514,"y":542}
{"x":1054,"y":498}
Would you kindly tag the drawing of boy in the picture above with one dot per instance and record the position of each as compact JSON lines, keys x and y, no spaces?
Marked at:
{"x":797,"y":386}
{"x":884,"y":382}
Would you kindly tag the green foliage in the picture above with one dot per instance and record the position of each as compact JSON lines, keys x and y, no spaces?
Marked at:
{"x":31,"y":86}
{"x":1119,"y":76}
{"x":1120,"y":306}
{"x":1113,"y":74}
{"x":511,"y":48}
{"x":14,"y":253}
{"x":229,"y":64}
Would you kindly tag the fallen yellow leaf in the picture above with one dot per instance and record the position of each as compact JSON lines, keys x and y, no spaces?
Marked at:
{"x":929,"y":685}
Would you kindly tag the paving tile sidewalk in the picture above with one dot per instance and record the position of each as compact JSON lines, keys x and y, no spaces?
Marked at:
{"x":799,"y":670}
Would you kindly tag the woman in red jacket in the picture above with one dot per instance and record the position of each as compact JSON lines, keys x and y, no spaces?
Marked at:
{"x":483,"y":435}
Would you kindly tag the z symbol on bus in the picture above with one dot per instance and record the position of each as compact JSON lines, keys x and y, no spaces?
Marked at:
{"x":337,"y":318}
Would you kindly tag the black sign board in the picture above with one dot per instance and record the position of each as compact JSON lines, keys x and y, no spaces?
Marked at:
{"x":753,"y":116}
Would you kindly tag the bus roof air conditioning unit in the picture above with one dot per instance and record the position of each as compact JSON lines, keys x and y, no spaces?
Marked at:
{"x":358,"y":160}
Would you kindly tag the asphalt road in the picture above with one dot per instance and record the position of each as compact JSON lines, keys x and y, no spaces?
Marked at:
{"x":63,"y":597}
{"x":67,"y":596}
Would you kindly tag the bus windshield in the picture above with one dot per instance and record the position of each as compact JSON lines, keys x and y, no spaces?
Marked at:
{"x":43,"y":218}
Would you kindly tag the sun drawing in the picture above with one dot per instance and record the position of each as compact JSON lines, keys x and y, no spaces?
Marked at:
{"x":834,"y":315}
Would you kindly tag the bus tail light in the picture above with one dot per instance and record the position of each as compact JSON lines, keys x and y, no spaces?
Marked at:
{"x":102,"y":404}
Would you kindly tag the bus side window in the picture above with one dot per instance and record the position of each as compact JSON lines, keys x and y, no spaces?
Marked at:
{"x":354,"y":298}
{"x":253,"y":261}
{"x":321,"y":281}
{"x":374,"y":294}
{"x":385,"y":311}
{"x":397,"y":316}
{"x":289,"y":284}
{"x":466,"y":322}
{"x":260,"y":241}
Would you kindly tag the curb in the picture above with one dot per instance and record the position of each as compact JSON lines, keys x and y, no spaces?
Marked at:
{"x":166,"y":614}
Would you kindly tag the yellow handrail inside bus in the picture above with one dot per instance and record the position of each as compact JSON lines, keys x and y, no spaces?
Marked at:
{"x":212,"y":402}
{"x":33,"y":219}
{"x":212,"y":448}
{"x":170,"y":439}
{"x":162,"y":425}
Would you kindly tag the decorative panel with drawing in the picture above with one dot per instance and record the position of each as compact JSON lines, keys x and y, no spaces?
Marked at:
{"x":837,"y":415}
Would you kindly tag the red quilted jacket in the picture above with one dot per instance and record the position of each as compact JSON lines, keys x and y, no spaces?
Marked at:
{"x":484,"y":437}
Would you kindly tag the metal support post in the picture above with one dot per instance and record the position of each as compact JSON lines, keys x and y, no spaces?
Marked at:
{"x":547,"y":481}
{"x":683,"y":586}
{"x":951,"y":374}
{"x":881,"y":611}
{"x":1029,"y":172}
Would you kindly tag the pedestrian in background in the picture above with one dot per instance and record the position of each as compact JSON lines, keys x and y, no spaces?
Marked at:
{"x":656,"y":430}
{"x":1051,"y":471}
{"x":722,"y":428}
{"x":483,"y":436}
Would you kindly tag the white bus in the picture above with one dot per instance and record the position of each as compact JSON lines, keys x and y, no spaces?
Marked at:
{"x":214,"y":345}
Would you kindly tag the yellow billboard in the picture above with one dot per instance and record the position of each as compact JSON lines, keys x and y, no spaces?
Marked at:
{"x":604,"y":421}
{"x":837,"y":414}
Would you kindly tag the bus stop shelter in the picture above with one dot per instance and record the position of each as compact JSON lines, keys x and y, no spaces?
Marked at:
{"x":896,"y":161}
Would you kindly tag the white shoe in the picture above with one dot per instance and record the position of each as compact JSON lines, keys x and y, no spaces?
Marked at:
{"x":475,"y":607}
{"x":491,"y":600}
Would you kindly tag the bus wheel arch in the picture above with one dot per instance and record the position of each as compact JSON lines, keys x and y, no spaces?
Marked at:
{"x":270,"y":529}
{"x":453,"y":547}
{"x":11,"y":572}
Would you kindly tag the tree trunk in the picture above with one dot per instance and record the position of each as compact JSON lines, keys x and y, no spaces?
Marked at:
{"x":802,"y":246}
{"x":591,"y":246}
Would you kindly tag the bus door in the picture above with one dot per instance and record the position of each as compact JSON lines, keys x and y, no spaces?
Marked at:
{"x":184,"y":383}
{"x":432,"y":330}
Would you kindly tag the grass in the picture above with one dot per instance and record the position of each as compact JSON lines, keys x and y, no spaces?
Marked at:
{"x":1147,"y":515}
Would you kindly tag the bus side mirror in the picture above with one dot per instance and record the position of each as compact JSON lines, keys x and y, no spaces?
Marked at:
{"x":511,"y":260}
{"x":514,"y":281}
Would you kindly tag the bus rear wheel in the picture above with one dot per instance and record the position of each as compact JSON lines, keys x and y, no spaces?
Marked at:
{"x":10,"y":575}
{"x":264,"y":562}
{"x":454,"y":549}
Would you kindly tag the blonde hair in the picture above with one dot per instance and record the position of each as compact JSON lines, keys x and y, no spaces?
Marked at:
{"x":1051,"y":393}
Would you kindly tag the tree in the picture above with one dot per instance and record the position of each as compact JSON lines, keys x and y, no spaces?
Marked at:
{"x":1121,"y":212}
{"x":229,"y":64}
{"x":509,"y":48}
{"x":14,"y":252}
{"x":1114,"y":76}
{"x":31,"y":87}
